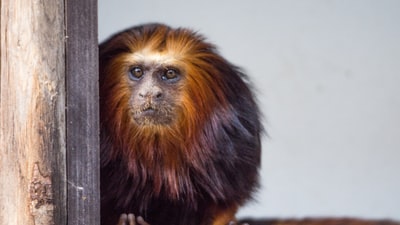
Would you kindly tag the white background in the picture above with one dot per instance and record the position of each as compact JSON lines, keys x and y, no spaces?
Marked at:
{"x":327,"y":74}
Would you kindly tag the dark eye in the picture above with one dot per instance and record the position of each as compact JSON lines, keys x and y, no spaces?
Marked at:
{"x":170,"y":74}
{"x":136,"y":73}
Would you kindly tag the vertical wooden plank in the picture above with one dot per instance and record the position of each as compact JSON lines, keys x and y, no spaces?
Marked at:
{"x":32,"y":112}
{"x":82,"y":113}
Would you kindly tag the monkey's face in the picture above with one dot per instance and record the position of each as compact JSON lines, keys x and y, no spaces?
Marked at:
{"x":155,"y":86}
{"x":163,"y":78}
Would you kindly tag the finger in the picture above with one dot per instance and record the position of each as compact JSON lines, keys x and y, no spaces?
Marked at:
{"x":122,"y":219}
{"x":131,"y":219}
{"x":141,"y":221}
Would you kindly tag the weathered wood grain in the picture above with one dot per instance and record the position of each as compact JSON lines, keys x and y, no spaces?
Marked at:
{"x":49,"y":144}
{"x":82,"y":113}
{"x":32,"y":112}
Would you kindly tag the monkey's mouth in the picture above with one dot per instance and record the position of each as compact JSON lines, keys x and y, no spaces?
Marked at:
{"x":152,"y":115}
{"x":149,"y":110}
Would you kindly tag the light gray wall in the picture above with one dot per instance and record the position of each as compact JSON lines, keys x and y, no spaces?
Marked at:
{"x":327,"y":74}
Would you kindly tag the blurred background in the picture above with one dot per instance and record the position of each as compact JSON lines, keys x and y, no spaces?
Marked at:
{"x":327,"y":76}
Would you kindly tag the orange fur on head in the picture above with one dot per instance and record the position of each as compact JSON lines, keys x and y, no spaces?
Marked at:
{"x":205,"y":156}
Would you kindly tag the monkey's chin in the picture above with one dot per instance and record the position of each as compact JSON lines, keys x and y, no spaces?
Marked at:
{"x":151,"y":118}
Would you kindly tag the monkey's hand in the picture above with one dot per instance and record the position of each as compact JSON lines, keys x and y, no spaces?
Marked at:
{"x":130,"y":219}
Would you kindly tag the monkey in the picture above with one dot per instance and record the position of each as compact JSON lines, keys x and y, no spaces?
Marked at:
{"x":180,"y":130}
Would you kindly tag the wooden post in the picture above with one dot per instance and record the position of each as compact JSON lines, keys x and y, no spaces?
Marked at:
{"x":32,"y":112}
{"x":82,"y":113}
{"x":49,"y":145}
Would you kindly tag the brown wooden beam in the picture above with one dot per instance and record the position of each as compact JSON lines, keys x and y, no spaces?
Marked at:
{"x":32,"y":112}
{"x":82,"y":113}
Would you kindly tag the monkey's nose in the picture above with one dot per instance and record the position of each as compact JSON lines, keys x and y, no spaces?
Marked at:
{"x":154,"y":93}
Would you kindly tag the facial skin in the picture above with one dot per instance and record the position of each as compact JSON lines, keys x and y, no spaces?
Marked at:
{"x":155,"y":93}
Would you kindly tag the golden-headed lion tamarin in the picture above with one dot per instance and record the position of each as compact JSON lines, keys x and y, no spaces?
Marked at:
{"x":180,"y":130}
